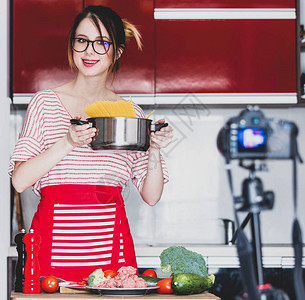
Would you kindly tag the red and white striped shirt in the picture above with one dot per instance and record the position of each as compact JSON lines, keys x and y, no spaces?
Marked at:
{"x":47,"y":121}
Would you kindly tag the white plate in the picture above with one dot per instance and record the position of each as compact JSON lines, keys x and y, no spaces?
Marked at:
{"x":116,"y":291}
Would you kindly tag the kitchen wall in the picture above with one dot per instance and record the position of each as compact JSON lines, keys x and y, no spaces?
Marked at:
{"x":198,"y":197}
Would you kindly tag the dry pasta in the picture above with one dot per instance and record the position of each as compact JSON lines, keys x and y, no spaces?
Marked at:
{"x":119,"y":108}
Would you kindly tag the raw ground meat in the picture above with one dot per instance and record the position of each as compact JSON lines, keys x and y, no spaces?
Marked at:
{"x":126,"y":278}
{"x":126,"y":271}
{"x":110,"y":283}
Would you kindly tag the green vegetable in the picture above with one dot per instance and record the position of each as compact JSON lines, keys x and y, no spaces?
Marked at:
{"x":187,"y":283}
{"x":150,"y":279}
{"x":177,"y":259}
{"x":96,"y":277}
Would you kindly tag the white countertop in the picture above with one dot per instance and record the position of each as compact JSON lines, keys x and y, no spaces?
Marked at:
{"x":216,"y":256}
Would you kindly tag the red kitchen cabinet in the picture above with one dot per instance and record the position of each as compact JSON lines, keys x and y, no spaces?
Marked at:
{"x":40,"y":33}
{"x":224,"y":4}
{"x":199,"y":55}
{"x":225,"y":56}
{"x":136,"y":73}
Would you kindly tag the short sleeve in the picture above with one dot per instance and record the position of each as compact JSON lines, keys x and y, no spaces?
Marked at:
{"x":139,"y":169}
{"x":30,"y":142}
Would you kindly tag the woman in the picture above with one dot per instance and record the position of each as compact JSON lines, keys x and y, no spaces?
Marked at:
{"x":81,"y":216}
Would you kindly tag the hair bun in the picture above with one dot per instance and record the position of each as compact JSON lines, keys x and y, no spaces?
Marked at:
{"x":131,"y":31}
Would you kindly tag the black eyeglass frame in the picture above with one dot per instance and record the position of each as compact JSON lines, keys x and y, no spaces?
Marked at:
{"x":92,"y":42}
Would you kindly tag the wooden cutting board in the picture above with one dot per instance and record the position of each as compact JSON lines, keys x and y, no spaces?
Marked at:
{"x":58,"y":296}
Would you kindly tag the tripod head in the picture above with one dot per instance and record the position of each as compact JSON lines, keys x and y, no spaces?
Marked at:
{"x":253,"y":198}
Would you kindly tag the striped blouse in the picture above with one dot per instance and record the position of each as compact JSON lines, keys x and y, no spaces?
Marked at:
{"x":47,"y":121}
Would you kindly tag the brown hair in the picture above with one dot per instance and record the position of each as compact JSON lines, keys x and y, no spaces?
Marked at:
{"x":119,"y":31}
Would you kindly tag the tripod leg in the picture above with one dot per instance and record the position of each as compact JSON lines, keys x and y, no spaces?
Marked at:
{"x":256,"y":242}
{"x":242,"y":226}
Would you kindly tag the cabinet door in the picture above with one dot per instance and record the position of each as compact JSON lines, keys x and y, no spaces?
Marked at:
{"x":225,"y":56}
{"x":136,"y":73}
{"x":40,"y":33}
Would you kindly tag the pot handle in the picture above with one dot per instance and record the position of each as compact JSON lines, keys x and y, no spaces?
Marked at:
{"x":157,"y":127}
{"x":78,"y":122}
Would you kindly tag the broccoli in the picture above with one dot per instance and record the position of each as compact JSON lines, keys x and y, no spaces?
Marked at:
{"x":177,"y":259}
{"x":96,"y":277}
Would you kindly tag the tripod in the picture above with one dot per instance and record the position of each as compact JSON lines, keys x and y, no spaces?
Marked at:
{"x":254,"y":200}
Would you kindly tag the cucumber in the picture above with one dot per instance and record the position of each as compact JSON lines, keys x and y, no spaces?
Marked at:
{"x":187,"y":283}
{"x":150,"y":279}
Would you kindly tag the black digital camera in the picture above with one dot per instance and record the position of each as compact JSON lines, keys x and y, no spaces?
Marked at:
{"x":252,"y":136}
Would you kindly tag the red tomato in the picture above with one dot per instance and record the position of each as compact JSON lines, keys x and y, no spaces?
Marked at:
{"x":165,"y":286}
{"x":110,"y":274}
{"x":83,"y":282}
{"x":50,"y":284}
{"x":150,"y":272}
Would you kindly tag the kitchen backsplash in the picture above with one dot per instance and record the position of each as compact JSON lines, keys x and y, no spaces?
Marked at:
{"x":197,"y":197}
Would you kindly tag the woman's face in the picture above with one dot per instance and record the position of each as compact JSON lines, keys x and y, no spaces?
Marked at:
{"x":90,"y":63}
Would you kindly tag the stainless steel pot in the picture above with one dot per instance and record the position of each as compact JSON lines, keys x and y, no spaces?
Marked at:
{"x":120,"y":133}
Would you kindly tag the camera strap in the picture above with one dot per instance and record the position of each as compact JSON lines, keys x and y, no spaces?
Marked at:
{"x":244,"y":249}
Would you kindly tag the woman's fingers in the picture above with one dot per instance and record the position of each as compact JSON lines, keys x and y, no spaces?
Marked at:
{"x":79,"y":135}
{"x":160,"y":121}
{"x":162,"y":138}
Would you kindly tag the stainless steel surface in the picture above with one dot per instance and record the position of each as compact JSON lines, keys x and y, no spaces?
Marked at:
{"x":120,"y":133}
{"x":229,"y":227}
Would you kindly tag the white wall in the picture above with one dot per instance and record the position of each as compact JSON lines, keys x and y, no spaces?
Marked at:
{"x":198,"y":196}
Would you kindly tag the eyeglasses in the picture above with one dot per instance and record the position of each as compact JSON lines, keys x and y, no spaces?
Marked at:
{"x":99,"y":46}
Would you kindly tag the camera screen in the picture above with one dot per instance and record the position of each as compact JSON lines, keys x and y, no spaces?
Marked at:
{"x":251,"y":140}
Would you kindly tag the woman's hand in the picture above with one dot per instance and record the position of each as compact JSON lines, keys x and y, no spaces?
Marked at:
{"x":161,"y":139}
{"x":79,"y":135}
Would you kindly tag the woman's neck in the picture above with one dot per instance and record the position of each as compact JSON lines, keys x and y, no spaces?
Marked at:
{"x":91,"y":88}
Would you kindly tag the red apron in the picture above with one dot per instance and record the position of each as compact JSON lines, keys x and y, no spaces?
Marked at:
{"x":82,"y":228}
